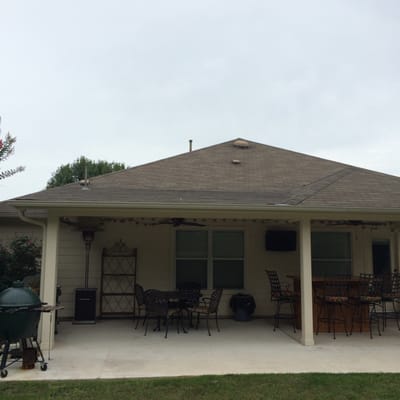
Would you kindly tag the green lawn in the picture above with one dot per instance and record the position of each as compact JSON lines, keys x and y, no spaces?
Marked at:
{"x":271,"y":386}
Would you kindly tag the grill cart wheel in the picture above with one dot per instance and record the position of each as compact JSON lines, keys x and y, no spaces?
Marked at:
{"x":4,"y":373}
{"x":43,"y":367}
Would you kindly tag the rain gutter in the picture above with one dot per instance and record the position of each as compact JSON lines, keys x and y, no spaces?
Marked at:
{"x":193,"y":206}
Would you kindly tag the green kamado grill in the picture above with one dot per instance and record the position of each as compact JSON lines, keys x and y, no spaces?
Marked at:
{"x":20,"y":310}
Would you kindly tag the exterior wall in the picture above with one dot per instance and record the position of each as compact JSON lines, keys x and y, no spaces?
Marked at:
{"x":155,"y":264}
{"x":362,"y":248}
{"x":258,"y":260}
{"x":154,"y":267}
{"x":12,"y":228}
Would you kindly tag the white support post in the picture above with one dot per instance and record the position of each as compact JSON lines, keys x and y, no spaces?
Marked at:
{"x":49,"y":281}
{"x":307,"y":329}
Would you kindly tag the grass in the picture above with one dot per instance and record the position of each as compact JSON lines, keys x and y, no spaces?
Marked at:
{"x":243,"y":387}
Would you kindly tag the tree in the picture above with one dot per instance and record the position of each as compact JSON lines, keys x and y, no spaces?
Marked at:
{"x":75,"y":171}
{"x":6,"y":149}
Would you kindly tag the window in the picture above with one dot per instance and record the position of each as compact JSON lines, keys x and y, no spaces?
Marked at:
{"x":210,"y":258}
{"x":191,"y":258}
{"x":331,"y":253}
{"x":227,"y":259}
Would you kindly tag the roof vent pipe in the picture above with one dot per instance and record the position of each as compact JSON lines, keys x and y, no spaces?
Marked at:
{"x":85,"y":182}
{"x":190,"y":145}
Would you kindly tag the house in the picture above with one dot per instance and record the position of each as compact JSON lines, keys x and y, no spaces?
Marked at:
{"x":204,"y":216}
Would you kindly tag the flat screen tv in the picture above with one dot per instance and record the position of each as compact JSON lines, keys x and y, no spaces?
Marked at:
{"x":280,"y":240}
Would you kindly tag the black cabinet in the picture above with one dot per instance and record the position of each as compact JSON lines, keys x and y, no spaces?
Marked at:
{"x":85,"y":306}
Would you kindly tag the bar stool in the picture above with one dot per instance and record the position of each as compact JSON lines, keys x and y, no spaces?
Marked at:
{"x":391,"y":294}
{"x":369,"y":297}
{"x":332,"y":303}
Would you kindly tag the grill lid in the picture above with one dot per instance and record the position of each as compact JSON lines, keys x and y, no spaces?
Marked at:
{"x":18,"y":296}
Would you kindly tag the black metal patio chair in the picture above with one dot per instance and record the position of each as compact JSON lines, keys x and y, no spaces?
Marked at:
{"x":158,"y":307}
{"x":208,"y":306}
{"x":366,"y":302}
{"x":189,"y":297}
{"x":281,"y":296}
{"x":391,"y":295}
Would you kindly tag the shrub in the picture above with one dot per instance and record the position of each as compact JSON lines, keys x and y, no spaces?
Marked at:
{"x":5,"y":258}
{"x":20,"y":259}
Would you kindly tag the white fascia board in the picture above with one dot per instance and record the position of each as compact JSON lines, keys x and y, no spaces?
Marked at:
{"x":86,"y":208}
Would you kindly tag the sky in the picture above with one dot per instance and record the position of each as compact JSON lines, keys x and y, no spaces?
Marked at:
{"x":132,"y":81}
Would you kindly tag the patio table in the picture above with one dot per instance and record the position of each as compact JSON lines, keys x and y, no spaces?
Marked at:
{"x":174,"y":303}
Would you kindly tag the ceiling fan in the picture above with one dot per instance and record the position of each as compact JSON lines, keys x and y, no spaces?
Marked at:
{"x":175,"y":222}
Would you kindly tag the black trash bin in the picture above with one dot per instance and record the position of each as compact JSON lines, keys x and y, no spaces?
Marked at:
{"x":243,"y":305}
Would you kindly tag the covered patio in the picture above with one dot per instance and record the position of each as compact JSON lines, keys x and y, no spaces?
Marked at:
{"x":114,"y":349}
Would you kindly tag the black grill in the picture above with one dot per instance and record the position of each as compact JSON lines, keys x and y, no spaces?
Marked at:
{"x":20,"y":310}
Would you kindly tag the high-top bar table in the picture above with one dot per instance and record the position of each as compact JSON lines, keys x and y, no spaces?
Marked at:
{"x":318,"y":291}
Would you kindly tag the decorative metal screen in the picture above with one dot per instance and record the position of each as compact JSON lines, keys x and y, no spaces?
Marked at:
{"x":118,"y":278}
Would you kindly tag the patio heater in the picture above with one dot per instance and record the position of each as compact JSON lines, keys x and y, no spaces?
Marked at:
{"x":85,"y":298}
{"x":88,"y":237}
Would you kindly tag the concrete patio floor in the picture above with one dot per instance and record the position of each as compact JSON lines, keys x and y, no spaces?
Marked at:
{"x":113,"y":349}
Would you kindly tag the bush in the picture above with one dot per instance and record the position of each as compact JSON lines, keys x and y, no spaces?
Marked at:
{"x":20,"y":259}
{"x":5,"y":258}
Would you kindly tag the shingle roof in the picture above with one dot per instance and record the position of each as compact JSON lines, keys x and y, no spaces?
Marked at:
{"x":7,"y":211}
{"x":261,"y":175}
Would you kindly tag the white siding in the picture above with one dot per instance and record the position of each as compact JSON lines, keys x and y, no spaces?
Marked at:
{"x":11,"y":229}
{"x":153,"y":264}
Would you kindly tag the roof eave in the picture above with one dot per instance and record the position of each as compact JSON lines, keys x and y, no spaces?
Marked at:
{"x":197,"y":206}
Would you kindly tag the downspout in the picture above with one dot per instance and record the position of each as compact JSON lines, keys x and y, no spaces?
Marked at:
{"x":23,"y":217}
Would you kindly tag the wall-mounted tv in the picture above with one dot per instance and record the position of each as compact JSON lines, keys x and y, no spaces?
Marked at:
{"x":280,"y":240}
